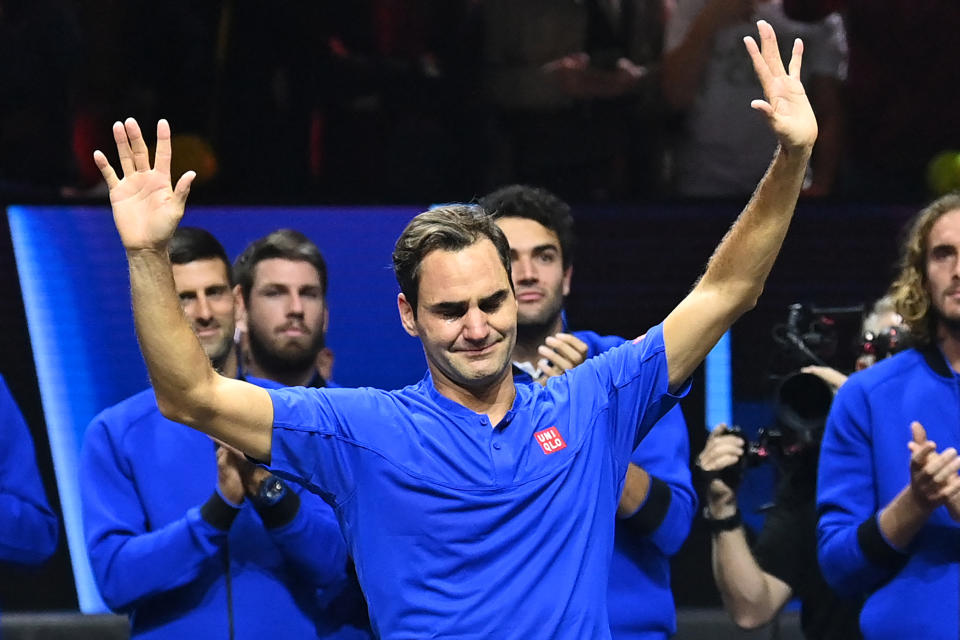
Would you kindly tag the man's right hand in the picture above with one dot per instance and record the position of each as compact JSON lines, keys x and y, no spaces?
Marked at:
{"x":146,"y":209}
{"x":722,"y":450}
{"x":934,"y":478}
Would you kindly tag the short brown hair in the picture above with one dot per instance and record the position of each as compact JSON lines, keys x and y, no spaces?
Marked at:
{"x":909,"y":290}
{"x":286,"y":244}
{"x":447,"y":228}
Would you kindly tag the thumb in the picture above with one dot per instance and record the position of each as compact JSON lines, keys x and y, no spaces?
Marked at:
{"x":182,"y":189}
{"x":919,"y":433}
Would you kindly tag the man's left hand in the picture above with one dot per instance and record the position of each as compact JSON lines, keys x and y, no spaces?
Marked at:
{"x":786,"y":106}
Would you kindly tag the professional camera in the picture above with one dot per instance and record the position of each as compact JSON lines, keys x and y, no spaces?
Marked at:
{"x":801,"y":401}
{"x":801,"y":404}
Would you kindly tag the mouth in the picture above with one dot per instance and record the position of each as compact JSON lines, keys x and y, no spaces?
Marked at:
{"x":207,"y":332}
{"x":294,"y":331}
{"x":529,"y":296}
{"x":478,"y":353}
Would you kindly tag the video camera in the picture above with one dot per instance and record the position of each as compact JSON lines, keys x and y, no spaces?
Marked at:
{"x":801,"y":400}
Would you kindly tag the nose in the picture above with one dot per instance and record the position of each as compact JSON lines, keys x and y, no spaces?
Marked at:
{"x":202,"y":308}
{"x":475,"y":326}
{"x":524,"y":271}
{"x":295,"y":305}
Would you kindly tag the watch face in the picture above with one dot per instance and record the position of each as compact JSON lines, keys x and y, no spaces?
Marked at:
{"x":272,"y":490}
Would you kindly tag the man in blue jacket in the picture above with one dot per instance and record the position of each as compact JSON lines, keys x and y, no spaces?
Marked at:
{"x":281,"y":289}
{"x":28,"y":527}
{"x":888,"y":489}
{"x":185,"y":534}
{"x":474,"y":507}
{"x":658,"y":501}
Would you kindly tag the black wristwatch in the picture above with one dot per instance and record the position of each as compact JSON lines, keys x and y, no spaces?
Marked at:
{"x":722,"y":524}
{"x":272,"y":490}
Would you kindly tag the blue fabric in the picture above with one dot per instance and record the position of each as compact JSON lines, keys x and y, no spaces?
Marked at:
{"x":640,"y":599}
{"x":464,"y":530}
{"x":143,"y":481}
{"x":28,"y":527}
{"x":864,"y":464}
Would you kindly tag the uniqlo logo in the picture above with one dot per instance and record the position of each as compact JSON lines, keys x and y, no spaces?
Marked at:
{"x":550,"y":440}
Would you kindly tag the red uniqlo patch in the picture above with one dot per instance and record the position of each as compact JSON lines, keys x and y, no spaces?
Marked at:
{"x":550,"y":440}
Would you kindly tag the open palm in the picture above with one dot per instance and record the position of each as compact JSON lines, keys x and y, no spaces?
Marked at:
{"x":786,"y":106}
{"x":146,"y":208}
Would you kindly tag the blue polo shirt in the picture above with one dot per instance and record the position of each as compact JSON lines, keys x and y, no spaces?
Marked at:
{"x":463,"y":529}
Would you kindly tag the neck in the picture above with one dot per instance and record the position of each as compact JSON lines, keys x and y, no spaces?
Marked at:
{"x":492,"y":400}
{"x":531,"y":336}
{"x":949,"y":337}
{"x":228,"y":366}
{"x":298,"y":378}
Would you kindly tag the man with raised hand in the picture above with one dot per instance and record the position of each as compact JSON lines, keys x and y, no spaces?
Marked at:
{"x":186,"y":535}
{"x":474,"y":507}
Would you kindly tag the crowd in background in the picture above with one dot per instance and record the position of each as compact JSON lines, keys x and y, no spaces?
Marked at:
{"x":425,"y":100}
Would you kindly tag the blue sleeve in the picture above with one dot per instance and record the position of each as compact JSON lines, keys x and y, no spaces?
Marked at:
{"x":853,"y":555}
{"x":28,"y":527}
{"x":306,"y":531}
{"x":634,"y":381}
{"x":313,"y":435}
{"x":667,"y":513}
{"x":129,"y":561}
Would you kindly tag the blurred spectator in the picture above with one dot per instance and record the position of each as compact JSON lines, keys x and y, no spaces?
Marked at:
{"x":28,"y":527}
{"x":725,"y":146}
{"x":901,"y":91}
{"x":574,"y":96}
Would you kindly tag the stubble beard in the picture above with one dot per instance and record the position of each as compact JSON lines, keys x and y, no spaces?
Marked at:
{"x":283,"y":362}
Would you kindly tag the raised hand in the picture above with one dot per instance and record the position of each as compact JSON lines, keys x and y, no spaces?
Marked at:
{"x":146,"y":208}
{"x":786,"y":106}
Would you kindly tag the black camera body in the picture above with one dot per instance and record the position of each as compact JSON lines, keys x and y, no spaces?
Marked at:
{"x":802,"y":402}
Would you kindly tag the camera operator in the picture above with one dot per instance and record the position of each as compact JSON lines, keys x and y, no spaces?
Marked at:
{"x":756,"y":583}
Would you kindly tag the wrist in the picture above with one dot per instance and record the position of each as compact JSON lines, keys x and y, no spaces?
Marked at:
{"x":726,"y":523}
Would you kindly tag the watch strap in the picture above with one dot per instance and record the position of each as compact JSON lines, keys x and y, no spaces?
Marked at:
{"x":718,"y":525}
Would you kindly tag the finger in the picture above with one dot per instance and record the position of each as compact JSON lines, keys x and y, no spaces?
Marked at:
{"x":164,"y":150}
{"x":763,"y":106}
{"x":918,"y":432}
{"x":109,"y":175}
{"x":182,"y":190}
{"x":759,"y":65}
{"x":123,"y":148}
{"x":549,"y":368}
{"x":718,"y":430}
{"x":556,"y":358}
{"x":769,"y":48}
{"x":141,"y":156}
{"x":948,"y":490}
{"x":950,"y":468}
{"x":574,"y":343}
{"x":920,"y":453}
{"x":796,"y":57}
{"x":718,"y":463}
{"x":568,"y":351}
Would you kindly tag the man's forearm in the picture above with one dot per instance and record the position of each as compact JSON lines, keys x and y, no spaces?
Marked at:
{"x":176,"y":362}
{"x":741,"y":263}
{"x":751,"y":596}
{"x":738,"y":268}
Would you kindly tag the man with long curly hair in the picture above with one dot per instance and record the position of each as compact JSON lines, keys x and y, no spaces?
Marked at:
{"x":889,"y":488}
